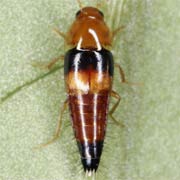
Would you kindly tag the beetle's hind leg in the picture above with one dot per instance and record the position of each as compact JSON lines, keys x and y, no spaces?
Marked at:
{"x":58,"y":129}
{"x":117,"y":96}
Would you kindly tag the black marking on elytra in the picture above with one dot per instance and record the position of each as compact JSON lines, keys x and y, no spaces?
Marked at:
{"x":76,"y":60}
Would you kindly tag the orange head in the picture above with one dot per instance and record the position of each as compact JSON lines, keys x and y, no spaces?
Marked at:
{"x":89,"y":30}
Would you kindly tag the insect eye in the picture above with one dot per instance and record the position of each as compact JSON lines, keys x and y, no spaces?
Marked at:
{"x":100,"y":12}
{"x":77,"y":14}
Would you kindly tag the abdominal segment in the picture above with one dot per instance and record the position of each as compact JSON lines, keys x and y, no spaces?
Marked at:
{"x":88,"y":88}
{"x":89,"y":114}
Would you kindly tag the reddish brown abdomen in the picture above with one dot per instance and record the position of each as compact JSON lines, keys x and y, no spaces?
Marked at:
{"x":88,"y":80}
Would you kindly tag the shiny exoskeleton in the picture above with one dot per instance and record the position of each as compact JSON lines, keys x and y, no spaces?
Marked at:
{"x":88,"y":76}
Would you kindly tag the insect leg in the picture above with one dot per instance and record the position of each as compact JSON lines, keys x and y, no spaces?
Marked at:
{"x":58,"y":129}
{"x":48,"y":65}
{"x":121,"y":72}
{"x":59,"y":33}
{"x":122,"y":75}
{"x":80,"y":4}
{"x":117,"y":30}
{"x":117,"y":96}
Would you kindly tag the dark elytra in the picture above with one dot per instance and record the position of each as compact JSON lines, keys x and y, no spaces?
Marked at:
{"x":84,"y":58}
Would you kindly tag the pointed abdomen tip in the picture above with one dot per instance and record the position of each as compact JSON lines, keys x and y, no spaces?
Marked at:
{"x":90,"y":164}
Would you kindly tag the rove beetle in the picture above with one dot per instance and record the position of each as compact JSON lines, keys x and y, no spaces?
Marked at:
{"x":88,"y":74}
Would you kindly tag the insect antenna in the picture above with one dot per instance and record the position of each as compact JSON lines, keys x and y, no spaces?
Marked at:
{"x":80,"y":4}
{"x":99,"y":5}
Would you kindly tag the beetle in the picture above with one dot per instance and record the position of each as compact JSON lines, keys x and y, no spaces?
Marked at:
{"x":88,"y":74}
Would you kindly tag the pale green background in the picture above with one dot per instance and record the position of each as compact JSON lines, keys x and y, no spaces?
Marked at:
{"x":148,"y":148}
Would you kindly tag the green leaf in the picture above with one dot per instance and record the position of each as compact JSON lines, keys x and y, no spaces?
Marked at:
{"x":147,"y":148}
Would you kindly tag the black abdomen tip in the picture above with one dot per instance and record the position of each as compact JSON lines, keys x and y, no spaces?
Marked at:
{"x":90,"y":164}
{"x":90,"y":155}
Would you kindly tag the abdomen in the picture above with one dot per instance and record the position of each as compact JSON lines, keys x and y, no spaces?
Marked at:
{"x":88,"y":76}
